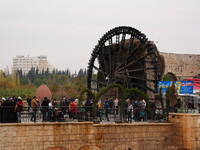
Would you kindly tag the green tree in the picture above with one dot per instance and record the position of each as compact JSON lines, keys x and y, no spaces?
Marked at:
{"x":74,"y":87}
{"x":167,"y":77}
{"x":81,"y":73}
{"x":25,"y":80}
{"x":38,"y":82}
{"x":53,"y":86}
{"x":171,"y":95}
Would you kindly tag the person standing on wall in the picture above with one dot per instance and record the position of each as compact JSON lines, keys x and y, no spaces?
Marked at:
{"x":88,"y":110}
{"x":45,"y":108}
{"x":116,"y":104}
{"x":63,"y":105}
{"x":28,"y":100}
{"x":34,"y":106}
{"x":72,"y":110}
{"x":106,"y":108}
{"x":18,"y":109}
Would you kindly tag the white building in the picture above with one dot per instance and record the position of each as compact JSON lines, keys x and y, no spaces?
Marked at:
{"x":26,"y":63}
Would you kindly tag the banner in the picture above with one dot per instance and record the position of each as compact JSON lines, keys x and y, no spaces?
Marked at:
{"x":182,"y":87}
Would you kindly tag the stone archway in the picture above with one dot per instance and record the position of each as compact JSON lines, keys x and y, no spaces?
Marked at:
{"x":170,"y":76}
{"x":171,"y":148}
{"x":92,"y":147}
{"x":55,"y":148}
{"x":124,"y":147}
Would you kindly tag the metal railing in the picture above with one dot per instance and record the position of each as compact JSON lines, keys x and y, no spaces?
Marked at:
{"x":79,"y":114}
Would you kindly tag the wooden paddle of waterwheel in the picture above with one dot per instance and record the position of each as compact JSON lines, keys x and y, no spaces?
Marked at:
{"x":124,"y":55}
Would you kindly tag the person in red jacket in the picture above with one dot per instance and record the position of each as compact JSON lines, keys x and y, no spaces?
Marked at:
{"x":18,"y":109}
{"x":72,"y":110}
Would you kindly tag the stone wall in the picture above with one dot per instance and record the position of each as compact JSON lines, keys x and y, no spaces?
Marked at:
{"x":187,"y":65}
{"x":182,"y":133}
{"x":86,"y":136}
{"x":186,"y":130}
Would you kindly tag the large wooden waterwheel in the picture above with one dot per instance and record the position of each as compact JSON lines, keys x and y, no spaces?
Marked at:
{"x":124,"y":55}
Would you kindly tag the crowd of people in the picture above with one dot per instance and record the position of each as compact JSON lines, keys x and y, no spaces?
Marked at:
{"x":53,"y":110}
{"x":11,"y":109}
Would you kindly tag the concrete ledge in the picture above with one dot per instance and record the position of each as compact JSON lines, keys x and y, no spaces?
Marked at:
{"x":46,"y":123}
{"x":133,"y":124}
{"x":85,"y":123}
{"x":184,"y":114}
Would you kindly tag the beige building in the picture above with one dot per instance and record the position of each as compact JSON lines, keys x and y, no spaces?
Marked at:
{"x":26,"y":63}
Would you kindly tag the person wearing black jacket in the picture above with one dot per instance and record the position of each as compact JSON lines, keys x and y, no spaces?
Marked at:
{"x":7,"y":112}
{"x":28,"y":100}
{"x":88,"y":110}
{"x":45,"y":108}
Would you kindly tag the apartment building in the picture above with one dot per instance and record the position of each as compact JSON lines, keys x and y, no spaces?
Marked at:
{"x":26,"y":63}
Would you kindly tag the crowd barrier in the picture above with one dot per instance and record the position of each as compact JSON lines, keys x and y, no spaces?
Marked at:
{"x":67,"y":114}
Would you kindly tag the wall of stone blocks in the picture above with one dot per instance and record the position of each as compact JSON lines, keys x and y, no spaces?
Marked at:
{"x":186,"y":130}
{"x":86,"y":136}
{"x":186,"y":65}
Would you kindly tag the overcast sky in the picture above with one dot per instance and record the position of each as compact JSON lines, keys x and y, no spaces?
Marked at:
{"x":66,"y":31}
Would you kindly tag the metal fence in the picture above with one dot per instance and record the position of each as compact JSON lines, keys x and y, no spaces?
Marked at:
{"x":78,"y":114}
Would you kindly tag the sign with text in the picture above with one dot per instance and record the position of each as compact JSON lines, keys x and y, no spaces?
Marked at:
{"x":182,"y":87}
